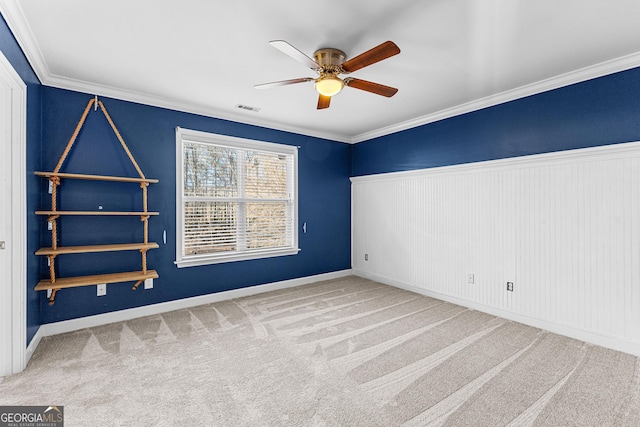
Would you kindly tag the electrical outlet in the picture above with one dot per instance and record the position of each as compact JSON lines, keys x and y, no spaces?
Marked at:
{"x":470,"y":279}
{"x":148,"y":283}
{"x":510,"y":286}
{"x":49,"y":225}
{"x":366,"y":257}
{"x":50,"y":190}
{"x":102,"y":289}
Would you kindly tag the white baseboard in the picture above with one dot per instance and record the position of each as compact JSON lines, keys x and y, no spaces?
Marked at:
{"x":147,"y":310}
{"x":611,"y":342}
{"x":31,"y":348}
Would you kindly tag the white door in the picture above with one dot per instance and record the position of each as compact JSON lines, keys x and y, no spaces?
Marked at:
{"x":6,"y":344}
{"x":12,"y":220}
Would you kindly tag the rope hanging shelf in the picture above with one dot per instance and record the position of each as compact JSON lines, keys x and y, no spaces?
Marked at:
{"x":53,"y":283}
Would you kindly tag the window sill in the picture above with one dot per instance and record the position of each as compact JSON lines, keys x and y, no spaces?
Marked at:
{"x":196,"y":260}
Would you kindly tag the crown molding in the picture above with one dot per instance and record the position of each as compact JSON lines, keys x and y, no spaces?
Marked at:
{"x":15,"y":19}
{"x":587,"y":73}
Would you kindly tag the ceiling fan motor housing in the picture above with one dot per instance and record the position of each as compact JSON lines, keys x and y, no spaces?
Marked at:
{"x":329,"y":59}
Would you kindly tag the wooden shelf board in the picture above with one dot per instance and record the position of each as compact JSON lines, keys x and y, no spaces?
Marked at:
{"x":95,"y":177}
{"x":74,"y":282}
{"x":97,"y":213}
{"x":96,"y":248}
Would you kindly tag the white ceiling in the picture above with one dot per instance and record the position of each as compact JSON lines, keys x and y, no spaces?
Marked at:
{"x":205,"y":56}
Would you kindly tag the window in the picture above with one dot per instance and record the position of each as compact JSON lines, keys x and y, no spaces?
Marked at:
{"x":236,"y":199}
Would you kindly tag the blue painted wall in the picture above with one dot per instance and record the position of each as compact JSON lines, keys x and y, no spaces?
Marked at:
{"x":324,"y":204}
{"x":11,"y":50}
{"x":601,"y":111}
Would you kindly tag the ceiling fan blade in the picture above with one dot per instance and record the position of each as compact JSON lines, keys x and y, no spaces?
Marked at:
{"x":378,"y":53}
{"x":283,"y":83}
{"x":323,"y":102}
{"x":286,"y":48}
{"x":376,"y":88}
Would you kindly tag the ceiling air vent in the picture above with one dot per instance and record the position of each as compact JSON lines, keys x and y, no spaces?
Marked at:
{"x":247,"y":108}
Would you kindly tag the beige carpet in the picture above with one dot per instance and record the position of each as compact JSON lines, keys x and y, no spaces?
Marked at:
{"x":346,"y":352}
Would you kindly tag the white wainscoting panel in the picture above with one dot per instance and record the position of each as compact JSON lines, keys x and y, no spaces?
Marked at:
{"x":563,"y":227}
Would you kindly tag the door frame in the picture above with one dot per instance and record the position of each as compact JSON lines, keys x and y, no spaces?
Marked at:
{"x":15,"y":302}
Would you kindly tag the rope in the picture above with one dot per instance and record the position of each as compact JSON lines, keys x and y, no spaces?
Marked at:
{"x":74,"y":136}
{"x":54,"y":231}
{"x":144,"y":260}
{"x":145,"y":221}
{"x":77,"y":130}
{"x":52,"y":271}
{"x":135,"y":286}
{"x":144,"y":186}
{"x":55,"y":181}
{"x":53,"y":296}
{"x":115,"y":130}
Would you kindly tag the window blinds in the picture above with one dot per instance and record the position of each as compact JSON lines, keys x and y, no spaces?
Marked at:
{"x":236,"y":199}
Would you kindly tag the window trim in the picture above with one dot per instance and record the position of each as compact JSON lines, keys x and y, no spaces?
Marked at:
{"x":183,"y":134}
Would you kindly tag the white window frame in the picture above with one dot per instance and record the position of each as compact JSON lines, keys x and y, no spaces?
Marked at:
{"x":189,"y":135}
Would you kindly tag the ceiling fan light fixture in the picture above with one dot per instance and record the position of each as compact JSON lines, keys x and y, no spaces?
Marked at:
{"x":328,"y":85}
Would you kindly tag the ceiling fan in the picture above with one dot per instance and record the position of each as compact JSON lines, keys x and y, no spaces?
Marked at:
{"x":329,"y":63}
